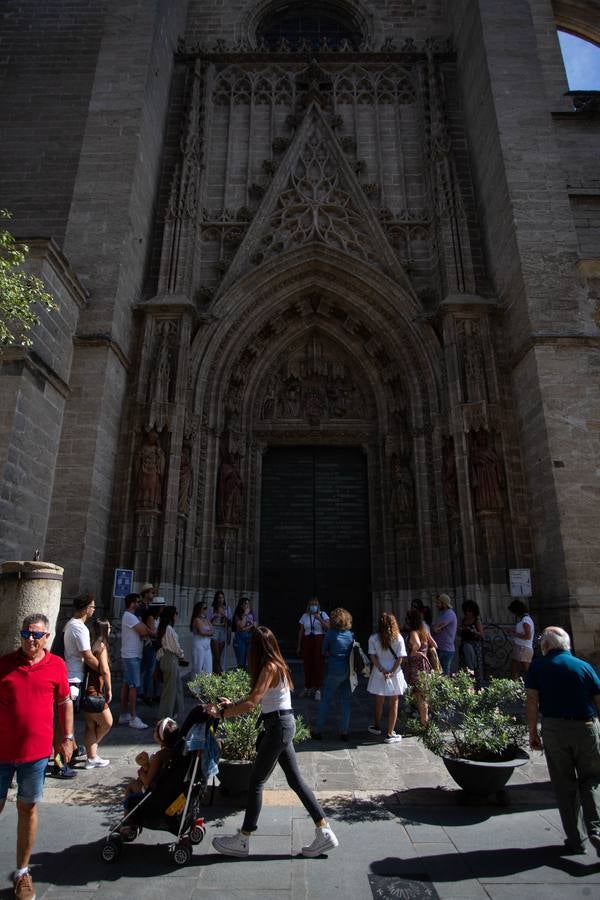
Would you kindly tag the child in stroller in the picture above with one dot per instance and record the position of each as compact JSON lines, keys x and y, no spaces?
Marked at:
{"x":171,"y":800}
{"x":167,"y":735}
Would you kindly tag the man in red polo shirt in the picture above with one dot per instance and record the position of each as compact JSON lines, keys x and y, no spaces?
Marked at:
{"x":32,"y":680}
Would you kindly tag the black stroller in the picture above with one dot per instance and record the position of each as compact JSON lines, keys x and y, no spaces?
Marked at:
{"x":173,"y":802}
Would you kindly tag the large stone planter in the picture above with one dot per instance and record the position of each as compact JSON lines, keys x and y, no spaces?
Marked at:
{"x":234,"y":776}
{"x":27,"y":587}
{"x":481,"y":779}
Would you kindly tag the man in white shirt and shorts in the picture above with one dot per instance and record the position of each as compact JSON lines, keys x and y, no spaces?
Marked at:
{"x":132,"y":634}
{"x":78,"y":654}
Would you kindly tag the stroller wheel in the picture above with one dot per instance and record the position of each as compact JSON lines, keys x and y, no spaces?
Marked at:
{"x":128,"y":833}
{"x":111,"y":850}
{"x":197,"y":834}
{"x":182,"y":854}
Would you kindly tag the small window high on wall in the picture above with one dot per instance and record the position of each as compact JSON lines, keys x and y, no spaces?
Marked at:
{"x":582,"y":62}
{"x":309,"y":22}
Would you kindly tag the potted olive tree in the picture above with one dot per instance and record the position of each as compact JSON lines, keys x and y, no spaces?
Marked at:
{"x":238,"y":736}
{"x":479,"y":734}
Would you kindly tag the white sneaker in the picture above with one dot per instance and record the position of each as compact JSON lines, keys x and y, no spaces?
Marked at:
{"x":137,"y":723}
{"x":392,"y":738}
{"x":124,"y":719}
{"x":324,"y":840}
{"x":232,"y":844}
{"x":317,"y":695}
{"x":372,"y":729}
{"x":97,"y":762}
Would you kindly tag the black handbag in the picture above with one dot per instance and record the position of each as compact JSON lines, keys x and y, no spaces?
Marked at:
{"x":92,"y":703}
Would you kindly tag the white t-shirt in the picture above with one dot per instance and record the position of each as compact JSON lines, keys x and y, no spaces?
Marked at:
{"x":77,"y":640}
{"x":386,"y":657}
{"x":311,"y":624}
{"x":521,"y":641}
{"x":131,"y":642}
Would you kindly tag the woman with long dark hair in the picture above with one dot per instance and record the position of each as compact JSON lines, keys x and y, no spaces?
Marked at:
{"x":244,"y":621}
{"x":271,"y":683}
{"x":419,"y":644}
{"x":202,"y":631}
{"x":220,"y":626}
{"x":168,"y":656}
{"x":97,"y":725}
{"x":472,"y":636}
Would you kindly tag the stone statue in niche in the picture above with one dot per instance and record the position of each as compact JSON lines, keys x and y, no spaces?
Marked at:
{"x":449,"y":476}
{"x":185,"y":479}
{"x":486,"y":474}
{"x":229,"y":491}
{"x":162,"y":372}
{"x":149,"y":472}
{"x":472,"y":360}
{"x":402,"y":499}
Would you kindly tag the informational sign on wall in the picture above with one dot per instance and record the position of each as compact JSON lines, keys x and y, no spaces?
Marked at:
{"x":123,"y":583}
{"x":520,"y":582}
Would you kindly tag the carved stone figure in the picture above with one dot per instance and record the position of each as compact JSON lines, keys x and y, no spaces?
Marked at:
{"x":486,"y":474}
{"x":161,"y":380}
{"x":473,"y":366}
{"x":149,"y":471}
{"x":449,"y":476}
{"x":229,"y":491}
{"x":185,"y":479}
{"x":402,"y":500}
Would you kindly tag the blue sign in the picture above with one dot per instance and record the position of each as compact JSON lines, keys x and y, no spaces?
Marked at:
{"x":123,"y":583}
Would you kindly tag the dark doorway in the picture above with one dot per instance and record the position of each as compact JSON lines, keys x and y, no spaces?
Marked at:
{"x":314,"y":536}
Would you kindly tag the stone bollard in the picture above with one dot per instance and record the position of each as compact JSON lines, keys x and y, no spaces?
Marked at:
{"x":27,"y":587}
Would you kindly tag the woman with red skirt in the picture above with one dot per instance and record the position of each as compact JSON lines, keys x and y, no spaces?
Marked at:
{"x":313,"y":625}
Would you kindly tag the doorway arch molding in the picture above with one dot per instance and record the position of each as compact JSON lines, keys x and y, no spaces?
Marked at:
{"x":365,"y":294}
{"x":397,"y":355}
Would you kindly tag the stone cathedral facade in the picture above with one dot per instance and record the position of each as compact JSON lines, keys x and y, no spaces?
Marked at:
{"x":328,"y":277}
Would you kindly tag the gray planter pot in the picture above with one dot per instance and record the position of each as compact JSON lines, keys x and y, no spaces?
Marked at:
{"x":480,"y":779}
{"x":234,"y":776}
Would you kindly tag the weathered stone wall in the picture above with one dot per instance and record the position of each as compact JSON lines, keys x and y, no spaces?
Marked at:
{"x":49,"y":53}
{"x":107,"y":240}
{"x":33,"y":391}
{"x":521,"y":177}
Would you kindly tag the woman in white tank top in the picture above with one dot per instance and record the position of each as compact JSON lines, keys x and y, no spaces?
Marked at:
{"x":271,"y":684}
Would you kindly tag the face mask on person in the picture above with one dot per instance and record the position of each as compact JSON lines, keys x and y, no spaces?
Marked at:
{"x":314,"y":609}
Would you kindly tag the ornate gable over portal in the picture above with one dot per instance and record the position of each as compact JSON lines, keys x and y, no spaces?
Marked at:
{"x":315,"y":196}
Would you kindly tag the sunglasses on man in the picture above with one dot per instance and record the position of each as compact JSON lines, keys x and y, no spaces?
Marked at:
{"x":36,"y":635}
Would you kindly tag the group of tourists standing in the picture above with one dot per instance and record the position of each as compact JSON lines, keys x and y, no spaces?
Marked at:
{"x":398,"y":657}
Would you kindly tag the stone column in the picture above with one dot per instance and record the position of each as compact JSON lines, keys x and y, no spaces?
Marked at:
{"x":27,"y":587}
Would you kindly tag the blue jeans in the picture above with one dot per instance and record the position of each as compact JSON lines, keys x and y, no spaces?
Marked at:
{"x":241,"y":642}
{"x":446,"y":659}
{"x":337,"y":682}
{"x":275,"y":745}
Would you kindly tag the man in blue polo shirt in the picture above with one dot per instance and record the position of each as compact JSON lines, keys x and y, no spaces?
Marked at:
{"x":567,"y":692}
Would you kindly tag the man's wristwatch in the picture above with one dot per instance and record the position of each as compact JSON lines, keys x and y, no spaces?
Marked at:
{"x":69,"y":737}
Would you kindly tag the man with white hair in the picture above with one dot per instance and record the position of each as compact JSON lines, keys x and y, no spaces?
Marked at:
{"x":567,"y":692}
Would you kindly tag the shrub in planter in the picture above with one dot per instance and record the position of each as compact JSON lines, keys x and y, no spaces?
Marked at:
{"x":487,"y":725}
{"x":238,"y":735}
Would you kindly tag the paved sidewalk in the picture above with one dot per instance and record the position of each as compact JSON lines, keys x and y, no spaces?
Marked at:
{"x":402,"y":830}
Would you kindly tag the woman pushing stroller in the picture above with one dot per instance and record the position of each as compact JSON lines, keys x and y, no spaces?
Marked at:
{"x":271,"y":683}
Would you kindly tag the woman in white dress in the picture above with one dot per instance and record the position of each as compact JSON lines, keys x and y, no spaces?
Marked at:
{"x":202,"y":632}
{"x":386,"y":652}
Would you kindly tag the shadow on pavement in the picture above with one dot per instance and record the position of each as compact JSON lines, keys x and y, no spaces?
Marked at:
{"x":483,"y":864}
